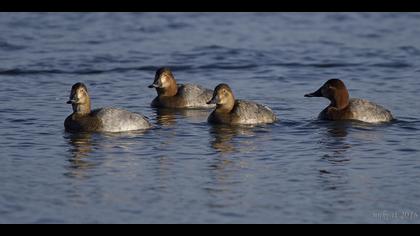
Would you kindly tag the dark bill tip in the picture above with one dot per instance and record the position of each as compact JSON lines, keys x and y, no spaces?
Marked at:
{"x":314,"y":94}
{"x":212,"y":101}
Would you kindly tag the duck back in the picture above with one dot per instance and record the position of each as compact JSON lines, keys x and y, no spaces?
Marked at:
{"x":188,"y":96}
{"x":367,"y":111}
{"x":119,"y":120}
{"x":246,"y":112}
{"x":195,"y":95}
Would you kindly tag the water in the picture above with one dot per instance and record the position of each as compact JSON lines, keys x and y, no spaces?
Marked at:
{"x":299,"y":170}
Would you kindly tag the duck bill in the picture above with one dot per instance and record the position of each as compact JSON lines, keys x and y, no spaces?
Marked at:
{"x":212,"y":101}
{"x":71,"y":101}
{"x":317,"y":93}
{"x":154,"y":86}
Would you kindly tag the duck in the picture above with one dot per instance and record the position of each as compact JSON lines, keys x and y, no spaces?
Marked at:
{"x":108,"y":119}
{"x":173,"y":95}
{"x":237,"y":112}
{"x":342,"y":107}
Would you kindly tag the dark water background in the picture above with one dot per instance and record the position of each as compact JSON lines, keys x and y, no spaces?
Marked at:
{"x":186,"y":171}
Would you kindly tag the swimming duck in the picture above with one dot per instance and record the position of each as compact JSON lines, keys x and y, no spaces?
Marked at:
{"x":173,"y":95}
{"x":344,"y":108}
{"x":102,"y":120}
{"x":231,"y":111}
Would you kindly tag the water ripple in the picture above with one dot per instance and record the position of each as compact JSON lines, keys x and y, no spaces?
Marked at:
{"x":297,"y":170}
{"x":8,"y":47}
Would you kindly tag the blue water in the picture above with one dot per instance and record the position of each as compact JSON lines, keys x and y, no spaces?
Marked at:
{"x":299,"y":170}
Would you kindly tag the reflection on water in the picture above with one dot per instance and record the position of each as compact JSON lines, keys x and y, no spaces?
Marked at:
{"x":168,"y":117}
{"x":165,"y":117}
{"x":223,"y":138}
{"x":369,"y":132}
{"x":81,"y":144}
{"x":337,"y":129}
{"x":228,"y":141}
{"x":336,"y":146}
{"x":334,"y":141}
{"x":80,"y":148}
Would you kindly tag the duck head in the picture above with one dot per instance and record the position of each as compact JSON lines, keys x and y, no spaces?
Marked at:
{"x":79,"y":98}
{"x":223,"y":98}
{"x":334,"y":90}
{"x":165,"y":83}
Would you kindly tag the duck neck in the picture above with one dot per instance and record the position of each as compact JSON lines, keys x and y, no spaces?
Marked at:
{"x":227,"y":107}
{"x":341,"y":100}
{"x":82,"y":108}
{"x":170,"y":90}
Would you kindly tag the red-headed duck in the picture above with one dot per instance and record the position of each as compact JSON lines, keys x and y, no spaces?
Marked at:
{"x":343,"y":107}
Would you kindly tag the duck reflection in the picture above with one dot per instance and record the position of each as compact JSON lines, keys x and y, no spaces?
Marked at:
{"x":82,"y":145}
{"x":335,"y":145}
{"x":168,"y":117}
{"x":334,"y":141}
{"x":223,"y":138}
{"x":81,"y":148}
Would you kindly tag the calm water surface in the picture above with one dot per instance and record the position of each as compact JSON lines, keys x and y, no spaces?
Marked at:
{"x":299,"y":170}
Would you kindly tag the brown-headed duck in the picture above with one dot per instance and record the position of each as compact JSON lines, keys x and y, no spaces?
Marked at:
{"x":100,"y":120}
{"x":231,"y":111}
{"x":173,"y":95}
